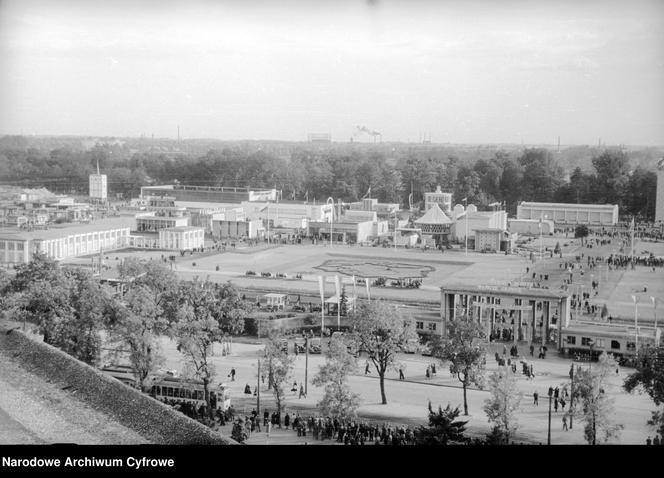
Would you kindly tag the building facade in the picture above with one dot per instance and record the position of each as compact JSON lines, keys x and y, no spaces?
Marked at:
{"x":444,"y":200}
{"x":182,"y":238}
{"x":98,"y":187}
{"x":565,"y":214}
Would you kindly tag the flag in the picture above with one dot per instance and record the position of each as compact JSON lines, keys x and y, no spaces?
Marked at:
{"x":321,"y":286}
{"x":337,"y":285}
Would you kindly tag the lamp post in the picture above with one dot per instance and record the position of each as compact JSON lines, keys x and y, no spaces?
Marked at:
{"x":306,"y":364}
{"x":258,"y":389}
{"x":571,"y":395}
{"x":635,"y":299}
{"x":548,"y":439}
{"x":330,"y":201}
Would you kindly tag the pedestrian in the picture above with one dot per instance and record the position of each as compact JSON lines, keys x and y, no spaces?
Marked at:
{"x":366,"y":368}
{"x":565,"y":423}
{"x":504,"y":349}
{"x":247,"y":389}
{"x":232,"y":375}
{"x":294,"y":389}
{"x":401,"y":377}
{"x":535,"y":398}
{"x":532,"y":349}
{"x":433,"y":369}
{"x":428,"y":372}
{"x":648,"y":441}
{"x":656,"y":440}
{"x":555,"y":404}
{"x":269,"y":428}
{"x":302,"y":394}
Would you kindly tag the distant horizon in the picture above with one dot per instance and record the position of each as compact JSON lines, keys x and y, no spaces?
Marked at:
{"x":332,"y":141}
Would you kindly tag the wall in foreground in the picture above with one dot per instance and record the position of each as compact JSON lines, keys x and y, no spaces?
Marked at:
{"x":151,"y":419}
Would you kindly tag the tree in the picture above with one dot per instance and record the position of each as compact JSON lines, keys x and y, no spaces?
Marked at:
{"x":542,"y":176}
{"x":649,"y":378}
{"x":612,"y":176}
{"x":196,"y":330}
{"x":338,"y":401}
{"x":595,"y":405}
{"x":381,"y":331}
{"x":464,"y":349}
{"x":280,"y":367}
{"x":581,"y":231}
{"x":504,"y":401}
{"x":443,"y":429}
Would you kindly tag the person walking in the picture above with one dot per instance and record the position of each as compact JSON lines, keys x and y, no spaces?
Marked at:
{"x":428,"y":372}
{"x":232,"y":375}
{"x":535,"y":398}
{"x":366,"y":368}
{"x":401,"y":377}
{"x":565,"y":423}
{"x":648,"y":441}
{"x":302,"y":394}
{"x":656,"y":440}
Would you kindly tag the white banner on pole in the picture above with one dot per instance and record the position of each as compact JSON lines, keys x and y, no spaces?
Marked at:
{"x":321,"y":287}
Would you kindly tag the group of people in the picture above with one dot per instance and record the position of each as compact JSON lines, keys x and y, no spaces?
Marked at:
{"x":560,"y":399}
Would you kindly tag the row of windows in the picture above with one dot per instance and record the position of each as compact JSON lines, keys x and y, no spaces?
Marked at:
{"x":419,"y":325}
{"x":598,"y":343}
{"x":176,"y":392}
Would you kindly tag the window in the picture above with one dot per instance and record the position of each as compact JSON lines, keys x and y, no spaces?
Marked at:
{"x":170,"y":391}
{"x":571,"y":339}
{"x":419,"y":325}
{"x":432,"y":326}
{"x":615,"y":345}
{"x":586,"y":341}
{"x":631,"y":346}
{"x":599,"y":343}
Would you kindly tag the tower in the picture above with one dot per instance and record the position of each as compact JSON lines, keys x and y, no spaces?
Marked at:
{"x":659,"y":202}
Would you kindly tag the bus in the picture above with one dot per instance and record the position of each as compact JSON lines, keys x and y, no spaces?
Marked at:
{"x":189,"y":390}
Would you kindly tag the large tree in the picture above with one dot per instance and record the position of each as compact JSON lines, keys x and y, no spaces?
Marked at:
{"x":589,"y":391}
{"x":280,"y":367}
{"x":339,"y":401}
{"x":381,"y":330}
{"x":503,"y":402}
{"x":649,"y":378}
{"x":464,"y":349}
{"x":612,"y":176}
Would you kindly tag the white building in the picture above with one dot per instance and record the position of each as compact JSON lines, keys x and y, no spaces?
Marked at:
{"x":470,"y":221}
{"x":288,"y":214}
{"x":570,"y":214}
{"x":444,"y":200}
{"x":98,"y":186}
{"x":181,"y":238}
{"x":659,"y":202}
{"x":530,"y":226}
{"x":17,"y":247}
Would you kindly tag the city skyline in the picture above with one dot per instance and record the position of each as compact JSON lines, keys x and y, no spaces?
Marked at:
{"x":461,"y":73}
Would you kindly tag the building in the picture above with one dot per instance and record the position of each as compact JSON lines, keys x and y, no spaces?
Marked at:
{"x":210,"y":193}
{"x":345,"y":231}
{"x":223,"y":229}
{"x":59,"y":243}
{"x":182,"y":238}
{"x":530,"y":227}
{"x":659,"y":204}
{"x":472,"y":220}
{"x":155,"y":221}
{"x":490,"y":239}
{"x":564,"y":214}
{"x":435,"y":225}
{"x":508,"y":313}
{"x":369,"y":204}
{"x":288,"y":214}
{"x":444,"y":200}
{"x":98,"y":186}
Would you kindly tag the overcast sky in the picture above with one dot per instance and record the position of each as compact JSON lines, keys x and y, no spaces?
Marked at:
{"x":465,"y":72}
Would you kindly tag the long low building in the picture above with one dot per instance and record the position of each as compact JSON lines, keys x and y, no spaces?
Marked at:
{"x":17,"y":246}
{"x":565,"y":214}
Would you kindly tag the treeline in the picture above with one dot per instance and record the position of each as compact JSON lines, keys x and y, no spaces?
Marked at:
{"x":307,"y":172}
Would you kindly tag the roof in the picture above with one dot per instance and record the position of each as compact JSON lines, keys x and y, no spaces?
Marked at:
{"x":274,"y":296}
{"x":434,"y":215}
{"x":61,"y":230}
{"x":182,"y":228}
{"x":502,"y":291}
{"x":567,"y":205}
{"x":334,"y":299}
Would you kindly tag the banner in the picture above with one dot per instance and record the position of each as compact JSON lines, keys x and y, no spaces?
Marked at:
{"x":321,"y":286}
{"x":337,"y":286}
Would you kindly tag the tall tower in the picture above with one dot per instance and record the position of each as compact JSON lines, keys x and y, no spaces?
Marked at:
{"x":98,"y":186}
{"x":659,"y":203}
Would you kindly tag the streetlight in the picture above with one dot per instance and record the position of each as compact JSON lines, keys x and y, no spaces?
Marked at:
{"x":571,"y":395}
{"x":548,"y":439}
{"x":635,"y":299}
{"x":330,"y":201}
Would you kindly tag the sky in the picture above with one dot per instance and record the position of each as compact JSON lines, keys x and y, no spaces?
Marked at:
{"x":473,"y":71}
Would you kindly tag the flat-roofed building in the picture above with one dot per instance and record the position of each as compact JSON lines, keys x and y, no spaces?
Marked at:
{"x":181,"y":238}
{"x":210,"y":193}
{"x":444,"y":200}
{"x":17,"y":246}
{"x":222,"y":229}
{"x":566,"y":214}
{"x":471,"y":221}
{"x":155,"y":221}
{"x":530,"y":227}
